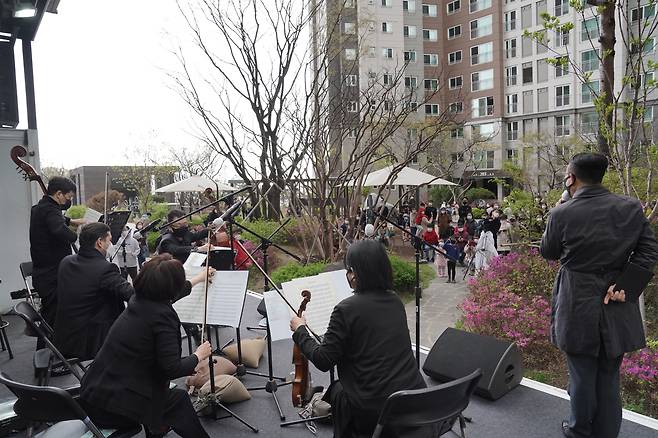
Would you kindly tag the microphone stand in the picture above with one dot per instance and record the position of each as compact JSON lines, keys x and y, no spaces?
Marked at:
{"x":417,"y":242}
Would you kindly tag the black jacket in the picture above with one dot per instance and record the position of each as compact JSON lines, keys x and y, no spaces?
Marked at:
{"x":368,"y":339}
{"x":50,"y":236}
{"x":142,"y":353}
{"x":180,"y":247}
{"x":91,"y":295}
{"x":594,"y":235}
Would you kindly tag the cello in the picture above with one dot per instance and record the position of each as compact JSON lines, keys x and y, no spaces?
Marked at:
{"x":301,"y":385}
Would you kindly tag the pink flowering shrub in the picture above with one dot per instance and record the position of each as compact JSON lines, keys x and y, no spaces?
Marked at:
{"x":639,"y":372}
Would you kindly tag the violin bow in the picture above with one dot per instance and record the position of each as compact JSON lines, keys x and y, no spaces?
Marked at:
{"x":205,"y":297}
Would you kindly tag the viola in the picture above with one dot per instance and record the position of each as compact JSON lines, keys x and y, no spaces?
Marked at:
{"x":301,"y":385}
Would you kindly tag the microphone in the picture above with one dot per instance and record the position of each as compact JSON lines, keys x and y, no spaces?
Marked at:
{"x":369,"y":230}
{"x":232,"y":211}
{"x":140,"y":233}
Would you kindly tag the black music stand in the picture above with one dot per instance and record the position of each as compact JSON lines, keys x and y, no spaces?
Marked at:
{"x":117,"y":221}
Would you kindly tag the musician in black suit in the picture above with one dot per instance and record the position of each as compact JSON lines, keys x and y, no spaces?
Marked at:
{"x":50,"y":241}
{"x":91,"y":294}
{"x":177,"y":241}
{"x":368,"y":339}
{"x":128,"y":383}
{"x":594,"y":235}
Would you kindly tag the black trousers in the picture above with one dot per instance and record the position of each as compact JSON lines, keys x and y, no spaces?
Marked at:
{"x":595,"y":399}
{"x":46,"y":286}
{"x":132,"y":271}
{"x":179,"y":415}
{"x":452,"y":265}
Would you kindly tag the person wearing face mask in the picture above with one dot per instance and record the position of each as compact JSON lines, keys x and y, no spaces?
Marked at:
{"x":471,"y":225}
{"x":593,"y":324}
{"x":373,"y":353}
{"x":126,"y":256}
{"x":177,"y":241}
{"x":50,"y":242}
{"x":91,"y":294}
{"x":465,"y":209}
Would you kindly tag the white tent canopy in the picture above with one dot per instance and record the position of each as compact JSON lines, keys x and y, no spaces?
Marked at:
{"x":194,"y":184}
{"x":406,"y":177}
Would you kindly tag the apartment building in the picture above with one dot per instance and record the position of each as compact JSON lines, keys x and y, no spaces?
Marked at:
{"x":513,"y":102}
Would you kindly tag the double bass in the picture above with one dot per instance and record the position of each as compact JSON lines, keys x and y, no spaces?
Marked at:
{"x":301,"y":385}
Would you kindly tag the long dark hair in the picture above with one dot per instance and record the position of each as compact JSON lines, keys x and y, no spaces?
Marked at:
{"x":369,"y":262}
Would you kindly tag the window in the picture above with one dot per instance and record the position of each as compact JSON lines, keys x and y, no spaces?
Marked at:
{"x":645,"y":12}
{"x":349,"y":3}
{"x":430,"y":34}
{"x":371,"y":26}
{"x":510,"y":75}
{"x":386,"y":3}
{"x":387,"y":78}
{"x":351,"y":106}
{"x":455,"y":57}
{"x":409,"y":31}
{"x":510,"y":48}
{"x":454,"y":32}
{"x":387,"y":27}
{"x":542,"y":99}
{"x":412,"y":135}
{"x":388,"y":105}
{"x":457,"y":133}
{"x":350,"y":54}
{"x":409,"y":5}
{"x":478,"y":5}
{"x":453,"y":6}
{"x":349,"y":28}
{"x":589,"y":122}
{"x":512,"y":131}
{"x":482,"y":80}
{"x":561,"y":38}
{"x":411,"y":106}
{"x":350,"y":80}
{"x":484,"y":159}
{"x":372,"y":51}
{"x":540,"y":10}
{"x":649,"y":45}
{"x":482,"y":53}
{"x":561,"y":7}
{"x":589,"y":90}
{"x":430,"y":59}
{"x":526,"y":16}
{"x":513,"y":155}
{"x":542,"y":71}
{"x":562,"y":95}
{"x":510,"y":21}
{"x":429,"y":10}
{"x":561,"y":66}
{"x":410,"y":56}
{"x":527,"y":72}
{"x":481,"y":27}
{"x":590,"y":30}
{"x":526,"y":46}
{"x":431,"y":84}
{"x":483,"y":129}
{"x":648,"y":114}
{"x":431,"y":109}
{"x":512,"y":103}
{"x":590,"y":60}
{"x":456,"y":107}
{"x":528,"y":101}
{"x":351,"y":133}
{"x":484,"y":106}
{"x":646,"y":80}
{"x":455,"y":82}
{"x":387,"y":52}
{"x":411,"y":82}
{"x":562,"y":128}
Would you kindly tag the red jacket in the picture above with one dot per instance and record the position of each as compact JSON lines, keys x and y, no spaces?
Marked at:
{"x":420,"y":214}
{"x":431,"y":237}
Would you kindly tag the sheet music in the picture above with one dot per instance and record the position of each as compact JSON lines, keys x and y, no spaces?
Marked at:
{"x":278,"y":316}
{"x":226,"y":296}
{"x":92,"y":215}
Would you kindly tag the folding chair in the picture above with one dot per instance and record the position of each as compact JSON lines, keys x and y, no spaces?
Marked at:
{"x":30,"y":294}
{"x":45,"y":357}
{"x":441,"y":405}
{"x":41,"y":404}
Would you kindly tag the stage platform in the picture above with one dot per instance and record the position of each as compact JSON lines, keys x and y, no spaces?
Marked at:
{"x":529,"y":411}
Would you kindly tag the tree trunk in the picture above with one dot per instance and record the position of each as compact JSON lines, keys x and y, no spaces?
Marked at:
{"x":607,"y":40}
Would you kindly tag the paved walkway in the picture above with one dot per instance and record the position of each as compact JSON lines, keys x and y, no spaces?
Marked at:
{"x":438,"y":308}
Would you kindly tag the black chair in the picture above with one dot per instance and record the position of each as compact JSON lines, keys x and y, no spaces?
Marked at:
{"x":31,"y":295}
{"x":49,"y":357}
{"x":441,"y":405}
{"x":47,"y":404}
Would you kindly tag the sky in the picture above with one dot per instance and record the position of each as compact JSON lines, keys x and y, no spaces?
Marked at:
{"x":101,"y":85}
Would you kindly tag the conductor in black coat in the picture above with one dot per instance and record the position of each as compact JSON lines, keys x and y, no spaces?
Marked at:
{"x":91,"y":295}
{"x":50,"y":241}
{"x":368,"y":339}
{"x":594,"y":235}
{"x":128,"y":383}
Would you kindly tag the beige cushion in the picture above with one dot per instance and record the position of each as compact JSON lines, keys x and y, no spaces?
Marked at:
{"x":228,"y":388}
{"x":202,"y":371}
{"x":252,"y":351}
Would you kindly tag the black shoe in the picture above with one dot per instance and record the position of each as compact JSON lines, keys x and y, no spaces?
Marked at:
{"x":60,"y":370}
{"x":566,"y":430}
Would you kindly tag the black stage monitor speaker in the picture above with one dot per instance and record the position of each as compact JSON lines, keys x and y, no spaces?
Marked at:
{"x":458,"y":353}
{"x":8,"y":96}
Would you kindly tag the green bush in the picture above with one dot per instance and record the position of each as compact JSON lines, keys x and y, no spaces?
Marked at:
{"x":294,"y":270}
{"x":151,"y":237}
{"x":195,"y":220}
{"x":479,"y":193}
{"x":76,"y":211}
{"x":440,"y":194}
{"x":478,"y":213}
{"x":265,"y":228}
{"x":404,"y":274}
{"x":159,"y":211}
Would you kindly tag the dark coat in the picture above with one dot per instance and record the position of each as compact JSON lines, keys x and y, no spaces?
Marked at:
{"x":593,"y":236}
{"x":142,"y":353}
{"x":50,"y":237}
{"x":91,"y":295}
{"x":373,"y":353}
{"x":180,"y":247}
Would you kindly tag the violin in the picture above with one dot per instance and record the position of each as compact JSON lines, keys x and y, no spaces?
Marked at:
{"x":301,"y":385}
